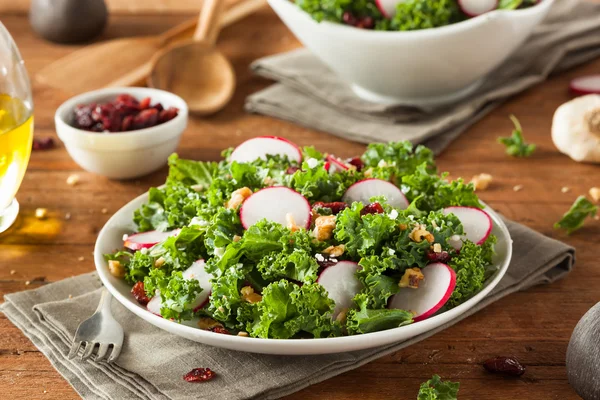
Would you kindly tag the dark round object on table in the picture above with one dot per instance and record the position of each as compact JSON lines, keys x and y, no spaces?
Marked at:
{"x":583,"y":355}
{"x":68,"y":21}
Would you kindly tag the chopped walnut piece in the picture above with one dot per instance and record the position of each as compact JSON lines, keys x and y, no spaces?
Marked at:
{"x":73,"y":180}
{"x":341,"y":317}
{"x":160,"y":261}
{"x":237,"y":238}
{"x":207,"y":323}
{"x":518,"y":188}
{"x":437,"y":248}
{"x":565,"y":189}
{"x":420,"y":233}
{"x":595,"y":194}
{"x":335,"y":251}
{"x":411,"y":278}
{"x":238,"y":197}
{"x":369,"y":172}
{"x":324,"y":226}
{"x":249,"y":295}
{"x":291,"y":222}
{"x":41,"y":213}
{"x":242,"y":333}
{"x":269,"y":181}
{"x":403,"y":227}
{"x":116,"y":268}
{"x":481,"y":181}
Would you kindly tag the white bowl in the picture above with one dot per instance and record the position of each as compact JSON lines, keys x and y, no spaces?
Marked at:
{"x":428,"y":67}
{"x":122,"y":155}
{"x":111,"y":238}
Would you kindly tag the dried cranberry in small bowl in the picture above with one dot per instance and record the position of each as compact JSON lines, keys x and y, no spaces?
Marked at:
{"x":125,"y":113}
{"x":199,"y":375}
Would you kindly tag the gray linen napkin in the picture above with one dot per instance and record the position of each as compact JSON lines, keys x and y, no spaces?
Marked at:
{"x":153,"y":361}
{"x":310,"y":94}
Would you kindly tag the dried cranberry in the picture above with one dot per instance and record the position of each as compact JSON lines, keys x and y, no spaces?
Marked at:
{"x":373,"y":208}
{"x":83,"y":116}
{"x":167,"y":115}
{"x":291,"y":169}
{"x":158,"y":106}
{"x":336,"y":207}
{"x":127,"y":123}
{"x":139,"y":293}
{"x":145,"y":103}
{"x":219,"y":329}
{"x":199,"y":375}
{"x":145,"y":119}
{"x":127,"y":99}
{"x":349,"y":19}
{"x":42,"y":144}
{"x":442,"y":257}
{"x":505,"y":365}
{"x":366,"y":23}
{"x":357,"y":162}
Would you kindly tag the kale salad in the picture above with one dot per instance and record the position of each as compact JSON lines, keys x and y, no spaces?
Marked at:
{"x":277,"y":241}
{"x":404,"y":15}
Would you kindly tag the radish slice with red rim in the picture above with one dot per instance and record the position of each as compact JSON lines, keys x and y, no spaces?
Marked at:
{"x":276,"y":204}
{"x":155,"y":304}
{"x":477,"y":224}
{"x":431,"y":295}
{"x":145,"y":240}
{"x":260,"y":147}
{"x":474,"y":8}
{"x":388,"y":7}
{"x":341,"y":284}
{"x":364,"y":190}
{"x":197,"y":271}
{"x":335,"y":164}
{"x":586,"y":85}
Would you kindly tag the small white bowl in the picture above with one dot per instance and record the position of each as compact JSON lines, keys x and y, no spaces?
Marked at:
{"x":122,"y":155}
{"x":428,"y":67}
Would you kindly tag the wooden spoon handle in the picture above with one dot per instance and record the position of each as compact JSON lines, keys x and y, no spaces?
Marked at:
{"x":234,"y":13}
{"x":209,"y":21}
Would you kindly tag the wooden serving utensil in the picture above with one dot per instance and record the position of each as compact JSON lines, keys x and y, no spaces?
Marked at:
{"x":196,"y":70}
{"x":125,"y":62}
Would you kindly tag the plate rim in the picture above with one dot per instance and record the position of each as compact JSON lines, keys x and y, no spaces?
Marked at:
{"x":293,"y":346}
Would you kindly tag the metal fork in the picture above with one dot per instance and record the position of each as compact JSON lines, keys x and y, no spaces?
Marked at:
{"x":99,"y":331}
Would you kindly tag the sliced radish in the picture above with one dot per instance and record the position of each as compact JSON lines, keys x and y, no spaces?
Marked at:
{"x":196,"y":271}
{"x":364,"y":190}
{"x":145,"y":240}
{"x":433,"y":292}
{"x":388,"y":7}
{"x":155,"y":304}
{"x":341,"y":283}
{"x":476,"y":223}
{"x":277,"y":204}
{"x":335,"y":164}
{"x":586,"y":85}
{"x":474,"y":8}
{"x":260,"y":147}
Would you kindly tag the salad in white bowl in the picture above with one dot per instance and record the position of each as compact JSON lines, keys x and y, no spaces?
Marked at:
{"x":278,"y":242}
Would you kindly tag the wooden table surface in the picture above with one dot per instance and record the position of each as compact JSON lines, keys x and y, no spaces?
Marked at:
{"x":534,"y":326}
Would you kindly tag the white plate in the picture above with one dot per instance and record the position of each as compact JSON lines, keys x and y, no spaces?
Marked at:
{"x":110,"y":239}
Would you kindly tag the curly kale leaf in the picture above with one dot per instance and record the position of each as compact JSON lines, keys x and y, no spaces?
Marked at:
{"x":177,"y":293}
{"x":575,"y":217}
{"x":391,"y":161}
{"x":365,"y":320}
{"x":470,"y":266}
{"x":436,"y":389}
{"x":424,"y":14}
{"x":221,"y":229}
{"x":299,"y":265}
{"x":432,"y":192}
{"x":515,"y":144}
{"x":316,"y":184}
{"x":287,"y":309}
{"x":333,"y":10}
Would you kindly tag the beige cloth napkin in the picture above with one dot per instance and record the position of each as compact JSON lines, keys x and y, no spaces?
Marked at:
{"x":310,"y":94}
{"x":153,"y":361}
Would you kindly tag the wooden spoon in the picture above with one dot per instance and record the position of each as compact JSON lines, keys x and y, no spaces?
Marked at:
{"x":125,"y":62}
{"x":195,"y":70}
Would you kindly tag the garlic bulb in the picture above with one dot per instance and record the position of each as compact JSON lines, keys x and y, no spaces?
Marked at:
{"x":576,"y":128}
